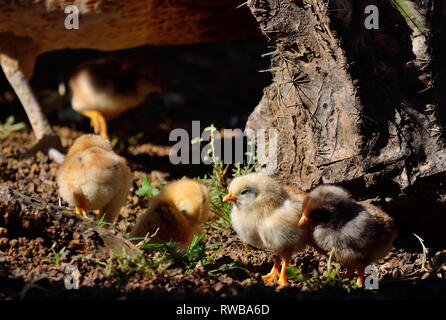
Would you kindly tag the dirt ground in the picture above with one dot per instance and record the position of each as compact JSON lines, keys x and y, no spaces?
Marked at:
{"x":29,"y":270}
{"x":24,"y":272}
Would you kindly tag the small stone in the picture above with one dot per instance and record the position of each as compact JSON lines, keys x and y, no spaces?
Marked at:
{"x":305,"y":288}
{"x":386,"y":266}
{"x":406,"y":269}
{"x":218,"y":286}
{"x":233,"y":291}
{"x":13,"y":243}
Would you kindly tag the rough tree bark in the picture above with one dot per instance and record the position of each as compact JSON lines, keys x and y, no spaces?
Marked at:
{"x":357,"y":107}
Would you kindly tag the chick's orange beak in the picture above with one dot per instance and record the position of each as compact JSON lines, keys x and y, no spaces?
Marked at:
{"x":303,"y":220}
{"x":230,"y":197}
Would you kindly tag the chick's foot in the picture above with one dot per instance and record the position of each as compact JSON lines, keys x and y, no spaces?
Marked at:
{"x":273,"y":274}
{"x":82,"y":212}
{"x":282,"y":279}
{"x":97,"y":122}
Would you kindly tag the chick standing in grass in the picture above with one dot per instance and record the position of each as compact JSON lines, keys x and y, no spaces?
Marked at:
{"x":177,"y":213}
{"x":266,"y":215}
{"x":93,"y":177}
{"x":104,"y":88}
{"x":357,"y":232}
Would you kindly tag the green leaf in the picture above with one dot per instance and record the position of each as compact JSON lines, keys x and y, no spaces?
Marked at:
{"x":294,"y":273}
{"x":147,"y":190}
{"x":9,"y":120}
{"x":152,"y":245}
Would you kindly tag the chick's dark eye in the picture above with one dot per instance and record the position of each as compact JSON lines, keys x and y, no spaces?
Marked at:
{"x":320,"y":215}
{"x":244,"y":191}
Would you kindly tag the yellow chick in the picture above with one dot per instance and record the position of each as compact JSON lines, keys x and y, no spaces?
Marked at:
{"x":103,"y":89}
{"x":265,"y":215}
{"x":177,"y":213}
{"x":93,"y":177}
{"x":357,"y":232}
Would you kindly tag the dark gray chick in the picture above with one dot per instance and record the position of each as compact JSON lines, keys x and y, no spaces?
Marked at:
{"x":358,"y":232}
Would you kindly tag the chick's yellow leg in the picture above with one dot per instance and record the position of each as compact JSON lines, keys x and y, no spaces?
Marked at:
{"x":81,"y":212}
{"x":361,"y":272}
{"x":97,"y":122}
{"x":282,"y":279}
{"x":272,"y":275}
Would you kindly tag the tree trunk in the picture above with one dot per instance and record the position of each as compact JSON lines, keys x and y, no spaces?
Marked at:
{"x":360,"y":107}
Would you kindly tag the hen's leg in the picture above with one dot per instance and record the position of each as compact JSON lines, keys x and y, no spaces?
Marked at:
{"x":48,"y":141}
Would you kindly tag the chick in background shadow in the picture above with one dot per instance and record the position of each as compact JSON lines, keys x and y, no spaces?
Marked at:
{"x":357,"y":232}
{"x":104,"y":88}
{"x":176,"y":214}
{"x":93,"y":177}
{"x":265,"y":215}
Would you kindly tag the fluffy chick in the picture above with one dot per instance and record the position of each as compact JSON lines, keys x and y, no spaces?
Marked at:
{"x":93,"y":177}
{"x":104,"y":88}
{"x":177,"y":213}
{"x":265,"y":215}
{"x":357,"y":232}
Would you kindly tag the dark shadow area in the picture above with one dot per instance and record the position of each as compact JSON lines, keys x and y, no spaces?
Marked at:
{"x":387,"y":83}
{"x":215,"y":83}
{"x":401,"y":289}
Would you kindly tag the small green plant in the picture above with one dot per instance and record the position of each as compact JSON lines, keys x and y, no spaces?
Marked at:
{"x":425,"y":253}
{"x":294,"y":273}
{"x":240,"y":170}
{"x":2,"y":259}
{"x":122,"y":143}
{"x":126,"y":225}
{"x":229,"y":266}
{"x":121,"y":267}
{"x":194,"y":254}
{"x":144,"y":243}
{"x":218,"y":168}
{"x":9,"y":126}
{"x":56,"y":256}
{"x":147,"y":190}
{"x":217,"y":180}
{"x":135,"y":139}
{"x":330,"y":279}
{"x":101,"y":223}
{"x":216,"y":205}
{"x":90,"y":258}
